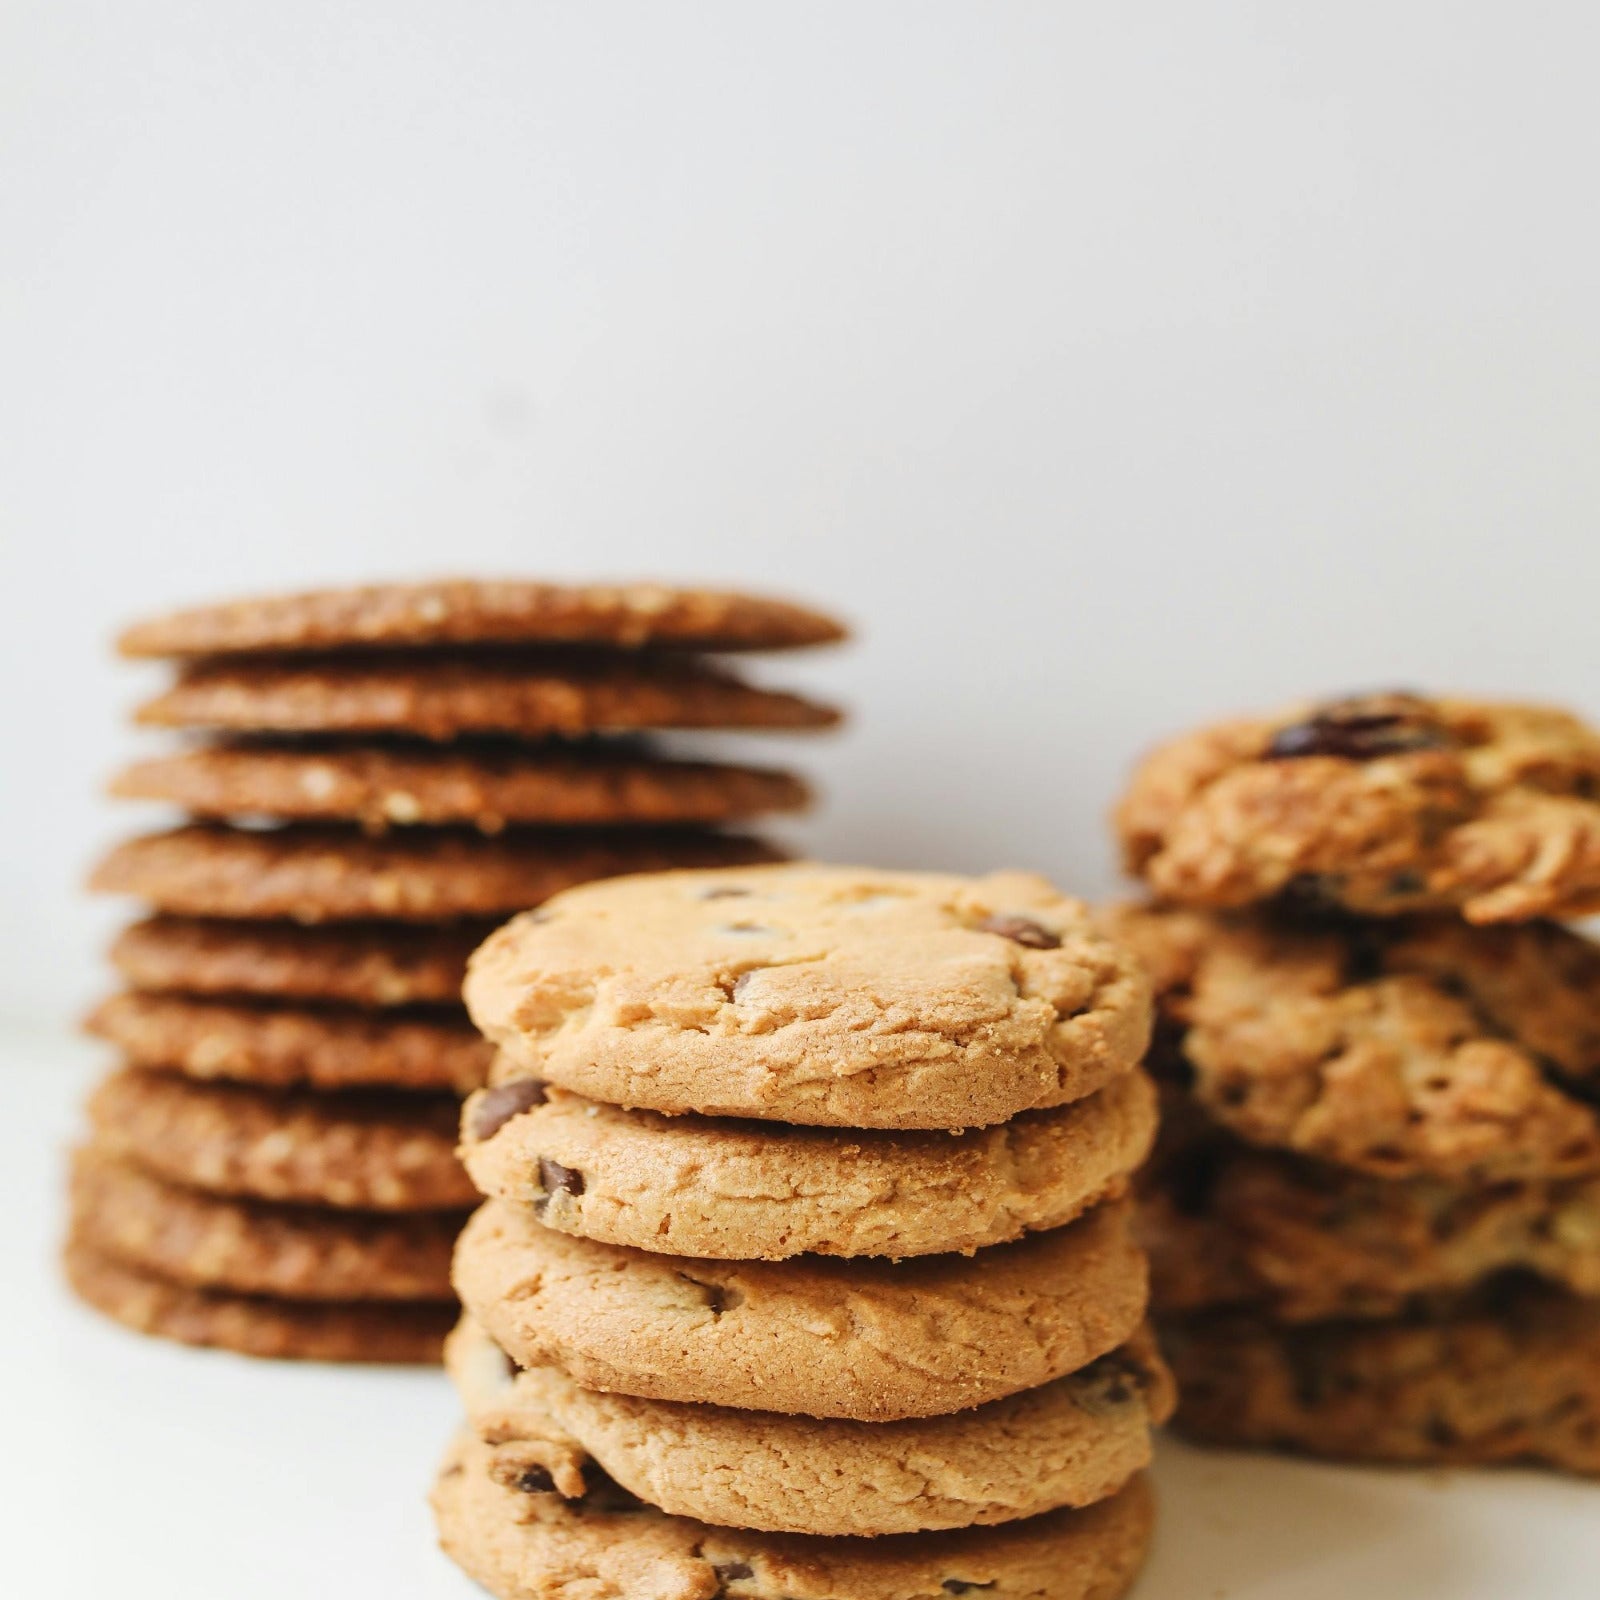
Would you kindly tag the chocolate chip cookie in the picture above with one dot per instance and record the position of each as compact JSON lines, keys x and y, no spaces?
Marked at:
{"x":866,"y":1339}
{"x":1379,"y":804}
{"x":700,"y":1186}
{"x":817,"y":995}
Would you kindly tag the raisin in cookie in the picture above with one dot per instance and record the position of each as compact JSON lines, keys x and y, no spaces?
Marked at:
{"x":1379,"y":804}
{"x":819,"y":995}
{"x":702,"y":1186}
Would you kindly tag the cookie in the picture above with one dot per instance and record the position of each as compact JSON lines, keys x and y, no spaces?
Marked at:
{"x":829,"y":996}
{"x":1514,"y":1382}
{"x":1399,"y":1049}
{"x":253,"y":1247}
{"x":253,"y":1325}
{"x":376,"y":966}
{"x":694,"y":1186}
{"x":443,"y":696}
{"x":370,"y":1151}
{"x":518,"y":1543}
{"x":475,"y":611}
{"x":486,"y":787}
{"x":282,"y":1046}
{"x":1071,"y":1442}
{"x":1379,"y":804}
{"x":330,"y":874}
{"x":1305,"y":1242}
{"x":865,"y":1339}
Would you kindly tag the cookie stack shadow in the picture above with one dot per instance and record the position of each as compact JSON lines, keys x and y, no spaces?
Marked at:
{"x":374,"y":778}
{"x":743,"y":1314}
{"x":1374,"y":1216}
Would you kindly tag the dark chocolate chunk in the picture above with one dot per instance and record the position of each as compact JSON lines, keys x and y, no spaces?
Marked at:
{"x":1362,"y":729}
{"x":1021,"y":930}
{"x":496,"y":1107}
{"x":555,"y":1178}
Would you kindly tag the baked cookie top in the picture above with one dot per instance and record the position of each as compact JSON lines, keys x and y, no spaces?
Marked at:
{"x":314,"y":873}
{"x":866,"y":1339}
{"x":1071,"y":1442}
{"x":519,"y":1542}
{"x":1398,"y":1047}
{"x":703,"y":1186}
{"x":838,"y":996}
{"x":487,"y":786}
{"x":257,"y":1247}
{"x":447,"y":695}
{"x":479,"y":611}
{"x":1511,"y":1377}
{"x":1379,"y":804}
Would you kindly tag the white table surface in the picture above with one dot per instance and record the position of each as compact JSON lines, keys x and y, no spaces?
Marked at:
{"x":136,"y":1469}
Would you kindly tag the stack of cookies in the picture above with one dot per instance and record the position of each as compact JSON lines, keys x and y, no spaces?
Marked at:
{"x":747,"y":1312}
{"x":383,"y":774}
{"x":1375,"y":1215}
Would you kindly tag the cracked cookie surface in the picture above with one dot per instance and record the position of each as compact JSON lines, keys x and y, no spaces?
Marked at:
{"x":1517,"y":1380}
{"x":1071,"y":1442}
{"x":1398,"y":1048}
{"x":611,"y":1547}
{"x":310,"y":873}
{"x":370,"y":1151}
{"x":817,"y":995}
{"x":699,"y":1186}
{"x":865,"y":1339}
{"x":483,"y":611}
{"x":1379,"y":804}
{"x":256,"y":1247}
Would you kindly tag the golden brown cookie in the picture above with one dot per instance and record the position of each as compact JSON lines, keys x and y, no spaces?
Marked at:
{"x":830,"y":996}
{"x":1399,"y":1048}
{"x":1071,"y":1442}
{"x":866,"y":1339}
{"x":252,"y":1325}
{"x":369,"y":1151}
{"x":484,"y":786}
{"x":478,"y":611}
{"x":443,"y":696}
{"x":1517,"y":1381}
{"x":377,"y":966}
{"x":1379,"y":804}
{"x":519,"y":1543}
{"x":700,"y":1186}
{"x":1305,"y":1242}
{"x":255,"y":1247}
{"x":283,"y":1046}
{"x":330,"y":874}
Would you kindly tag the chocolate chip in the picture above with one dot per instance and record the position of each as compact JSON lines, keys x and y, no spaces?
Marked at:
{"x":497,"y":1106}
{"x":719,"y":1297}
{"x":1107,"y":1385}
{"x":962,"y":1585}
{"x":1362,"y":729}
{"x":557,"y":1179}
{"x":536,"y":1480}
{"x":733,"y":1571}
{"x":1021,"y":930}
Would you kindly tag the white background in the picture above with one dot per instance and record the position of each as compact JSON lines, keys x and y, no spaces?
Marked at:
{"x":1109,"y":366}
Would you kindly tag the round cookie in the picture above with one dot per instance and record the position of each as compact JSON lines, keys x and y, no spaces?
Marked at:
{"x":284,"y":1047}
{"x":1378,"y":804}
{"x":695,"y":1186}
{"x":254,"y":1247}
{"x":329,"y":874}
{"x":517,"y":1543}
{"x":866,"y":1339}
{"x":1071,"y":1442}
{"x":380,"y":785}
{"x":478,"y":611}
{"x":1401,"y":1049}
{"x":444,"y":696}
{"x":370,"y":1151}
{"x":375,"y":967}
{"x":252,"y":1325}
{"x":1516,"y":1382}
{"x":828,"y":996}
{"x":1306,"y":1242}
